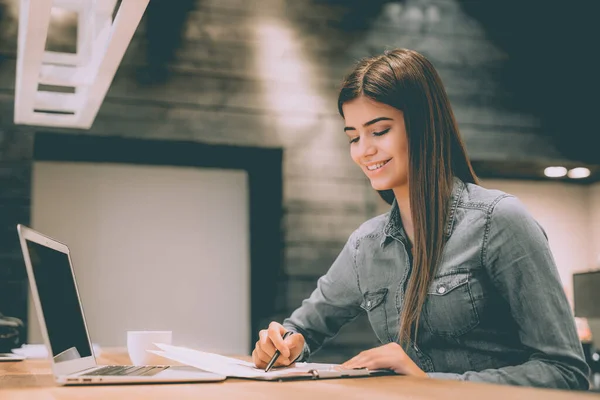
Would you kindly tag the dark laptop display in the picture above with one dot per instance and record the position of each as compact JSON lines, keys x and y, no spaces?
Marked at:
{"x":60,"y":304}
{"x":56,"y":298}
{"x":586,"y":294}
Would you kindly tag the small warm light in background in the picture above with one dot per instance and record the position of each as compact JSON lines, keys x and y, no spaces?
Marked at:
{"x":555,"y":172}
{"x":578,"y":173}
{"x":288,"y":75}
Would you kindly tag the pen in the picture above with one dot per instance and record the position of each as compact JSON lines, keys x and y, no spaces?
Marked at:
{"x":277,"y":353}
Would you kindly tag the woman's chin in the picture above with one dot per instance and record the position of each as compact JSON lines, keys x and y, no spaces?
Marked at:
{"x":380,"y":186}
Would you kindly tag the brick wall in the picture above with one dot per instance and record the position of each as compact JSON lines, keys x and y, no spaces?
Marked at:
{"x":15,"y":175}
{"x":265,"y":73}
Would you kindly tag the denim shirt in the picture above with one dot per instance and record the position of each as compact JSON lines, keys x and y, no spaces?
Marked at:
{"x":495,"y":311}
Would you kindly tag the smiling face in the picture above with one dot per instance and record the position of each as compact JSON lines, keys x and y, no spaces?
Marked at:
{"x":378,"y":142}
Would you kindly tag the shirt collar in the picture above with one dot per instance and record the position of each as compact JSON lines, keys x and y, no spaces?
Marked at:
{"x":394,"y":229}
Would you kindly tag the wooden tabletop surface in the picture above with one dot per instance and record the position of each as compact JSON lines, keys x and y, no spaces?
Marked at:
{"x":33,"y":380}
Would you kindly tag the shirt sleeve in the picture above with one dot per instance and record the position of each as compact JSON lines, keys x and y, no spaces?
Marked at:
{"x":334,"y":302}
{"x":519,"y":262}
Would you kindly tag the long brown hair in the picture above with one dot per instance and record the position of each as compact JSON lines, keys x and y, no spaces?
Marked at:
{"x":406,"y":80}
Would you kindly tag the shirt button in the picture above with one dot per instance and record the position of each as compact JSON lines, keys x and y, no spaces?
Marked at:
{"x":369,"y":303}
{"x":441,"y":290}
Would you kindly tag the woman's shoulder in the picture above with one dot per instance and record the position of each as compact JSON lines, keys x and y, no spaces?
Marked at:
{"x":501,"y":207}
{"x":477,"y":195}
{"x":372,"y":227}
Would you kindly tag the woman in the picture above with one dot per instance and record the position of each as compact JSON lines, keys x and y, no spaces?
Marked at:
{"x":458,"y":281}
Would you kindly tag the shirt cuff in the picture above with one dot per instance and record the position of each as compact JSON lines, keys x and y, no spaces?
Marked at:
{"x":446,"y":375}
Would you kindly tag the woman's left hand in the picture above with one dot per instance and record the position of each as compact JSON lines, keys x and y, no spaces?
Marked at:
{"x":389,"y":356}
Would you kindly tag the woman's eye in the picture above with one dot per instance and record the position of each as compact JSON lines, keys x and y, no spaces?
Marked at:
{"x":383,"y":132}
{"x":354,"y":140}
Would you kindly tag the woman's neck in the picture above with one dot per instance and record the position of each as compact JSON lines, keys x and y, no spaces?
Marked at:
{"x":403,"y":201}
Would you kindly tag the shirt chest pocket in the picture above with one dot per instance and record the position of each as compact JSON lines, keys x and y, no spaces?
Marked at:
{"x":374,"y":304}
{"x":449,"y":309}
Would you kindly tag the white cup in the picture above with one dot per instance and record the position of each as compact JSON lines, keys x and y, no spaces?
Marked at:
{"x":139,"y":342}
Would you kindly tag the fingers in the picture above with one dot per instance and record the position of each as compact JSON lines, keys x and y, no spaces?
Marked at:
{"x":282,"y":362}
{"x":354,"y":362}
{"x":390,"y":356}
{"x":369,"y":364}
{"x":263,"y":350}
{"x":270,"y":340}
{"x":365,"y":359}
{"x":265,"y":343}
{"x":261,"y":359}
{"x":258,"y":360}
{"x":275,"y":333}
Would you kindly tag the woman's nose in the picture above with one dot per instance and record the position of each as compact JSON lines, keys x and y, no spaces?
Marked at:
{"x":367,"y":148}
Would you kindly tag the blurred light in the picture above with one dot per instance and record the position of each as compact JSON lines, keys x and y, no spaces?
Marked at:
{"x":433,"y":14}
{"x":555,"y":172}
{"x":393,"y":11}
{"x":288,"y":76}
{"x":578,"y":173}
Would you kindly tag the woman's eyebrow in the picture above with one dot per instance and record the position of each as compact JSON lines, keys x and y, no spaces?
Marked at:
{"x":371,"y":122}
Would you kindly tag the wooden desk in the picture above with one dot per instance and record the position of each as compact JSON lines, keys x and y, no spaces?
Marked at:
{"x":33,"y":380}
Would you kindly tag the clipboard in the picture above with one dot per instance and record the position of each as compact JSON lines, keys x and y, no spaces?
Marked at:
{"x":234,"y":368}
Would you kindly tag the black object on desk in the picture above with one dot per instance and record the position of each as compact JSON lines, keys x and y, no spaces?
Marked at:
{"x":12,"y":332}
{"x":586,"y":296}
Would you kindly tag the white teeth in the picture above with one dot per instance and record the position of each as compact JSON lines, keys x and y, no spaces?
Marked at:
{"x":376,"y":166}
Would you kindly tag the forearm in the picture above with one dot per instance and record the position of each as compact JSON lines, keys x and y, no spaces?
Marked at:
{"x":302,"y":321}
{"x":535,"y":373}
{"x":318,"y":320}
{"x":335,"y":301}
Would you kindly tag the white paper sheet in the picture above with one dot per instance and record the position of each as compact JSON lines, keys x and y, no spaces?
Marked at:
{"x":232,"y":367}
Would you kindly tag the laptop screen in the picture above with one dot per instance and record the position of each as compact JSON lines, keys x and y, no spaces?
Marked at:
{"x":586,"y":294}
{"x":60,"y":303}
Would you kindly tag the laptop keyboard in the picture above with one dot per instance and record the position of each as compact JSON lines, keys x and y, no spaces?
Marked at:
{"x":126,"y":370}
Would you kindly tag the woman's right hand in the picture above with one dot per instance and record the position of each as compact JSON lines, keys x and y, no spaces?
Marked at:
{"x":272,"y":339}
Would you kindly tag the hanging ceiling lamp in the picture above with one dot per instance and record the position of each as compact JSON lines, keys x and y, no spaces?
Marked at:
{"x":79,"y":80}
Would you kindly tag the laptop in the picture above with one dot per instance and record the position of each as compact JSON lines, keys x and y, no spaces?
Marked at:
{"x":62,"y":321}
